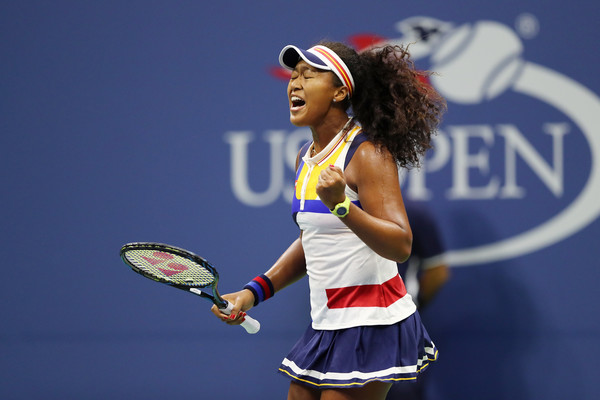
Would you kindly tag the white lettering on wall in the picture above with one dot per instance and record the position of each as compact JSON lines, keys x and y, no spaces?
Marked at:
{"x":515,"y":142}
{"x":283,"y":149}
{"x":464,"y":160}
{"x":240,"y":168}
{"x":470,"y":151}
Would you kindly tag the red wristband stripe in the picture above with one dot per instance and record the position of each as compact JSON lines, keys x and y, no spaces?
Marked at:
{"x":266,"y":286}
{"x":261,"y":287}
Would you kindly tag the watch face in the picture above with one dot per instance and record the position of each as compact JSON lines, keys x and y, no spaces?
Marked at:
{"x":341,"y":211}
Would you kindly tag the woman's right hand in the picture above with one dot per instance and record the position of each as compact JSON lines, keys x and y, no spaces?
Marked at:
{"x":242,"y":301}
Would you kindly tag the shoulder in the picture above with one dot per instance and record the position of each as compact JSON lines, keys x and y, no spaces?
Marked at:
{"x":371,"y":163}
{"x":369,"y":154}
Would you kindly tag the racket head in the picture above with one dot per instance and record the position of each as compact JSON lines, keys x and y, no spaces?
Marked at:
{"x":170,"y":265}
{"x":179,"y":268}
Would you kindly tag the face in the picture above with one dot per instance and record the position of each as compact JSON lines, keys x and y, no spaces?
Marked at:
{"x":310,"y":94}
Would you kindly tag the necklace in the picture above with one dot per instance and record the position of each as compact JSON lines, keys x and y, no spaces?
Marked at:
{"x":345,"y":130}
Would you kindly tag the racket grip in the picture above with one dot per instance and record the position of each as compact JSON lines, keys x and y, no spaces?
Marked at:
{"x":250,"y":324}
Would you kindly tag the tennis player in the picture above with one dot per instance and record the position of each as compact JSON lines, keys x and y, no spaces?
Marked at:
{"x":365,"y":332}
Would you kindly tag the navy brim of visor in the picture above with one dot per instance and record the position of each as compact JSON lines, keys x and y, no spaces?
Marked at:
{"x":291,"y":55}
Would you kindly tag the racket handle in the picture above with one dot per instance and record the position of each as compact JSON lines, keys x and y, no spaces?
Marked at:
{"x":250,"y":324}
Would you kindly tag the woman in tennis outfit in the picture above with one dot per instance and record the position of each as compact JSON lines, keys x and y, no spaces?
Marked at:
{"x":366,"y":333}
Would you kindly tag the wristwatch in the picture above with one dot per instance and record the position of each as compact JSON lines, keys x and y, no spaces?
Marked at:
{"x":342,"y":209}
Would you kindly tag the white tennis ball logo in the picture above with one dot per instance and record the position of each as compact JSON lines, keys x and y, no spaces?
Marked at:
{"x":476,"y":62}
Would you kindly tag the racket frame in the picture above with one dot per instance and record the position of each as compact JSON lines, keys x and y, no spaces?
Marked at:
{"x":248,"y":323}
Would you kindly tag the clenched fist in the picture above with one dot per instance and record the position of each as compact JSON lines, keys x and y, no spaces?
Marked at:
{"x":331,"y":186}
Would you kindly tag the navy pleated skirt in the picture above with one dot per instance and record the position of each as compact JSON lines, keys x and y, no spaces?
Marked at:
{"x":356,"y":356}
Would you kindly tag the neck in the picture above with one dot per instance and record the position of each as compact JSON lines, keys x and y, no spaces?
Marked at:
{"x":324,"y":133}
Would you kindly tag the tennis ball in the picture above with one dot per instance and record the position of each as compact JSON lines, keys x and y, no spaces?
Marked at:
{"x":476,"y":62}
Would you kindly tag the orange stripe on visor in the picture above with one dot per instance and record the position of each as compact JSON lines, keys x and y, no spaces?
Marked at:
{"x":336,"y":64}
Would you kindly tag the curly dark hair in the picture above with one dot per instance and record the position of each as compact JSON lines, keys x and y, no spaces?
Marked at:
{"x":391,"y":100}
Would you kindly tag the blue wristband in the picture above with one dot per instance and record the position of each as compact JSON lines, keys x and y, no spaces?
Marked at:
{"x":261,"y":287}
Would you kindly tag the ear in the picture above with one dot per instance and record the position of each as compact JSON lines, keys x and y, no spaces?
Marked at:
{"x":340,"y":94}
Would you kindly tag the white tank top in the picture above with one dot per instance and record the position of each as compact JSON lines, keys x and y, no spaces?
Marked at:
{"x":350,"y":285}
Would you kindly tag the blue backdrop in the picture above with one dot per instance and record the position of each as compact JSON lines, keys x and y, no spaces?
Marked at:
{"x":168,"y":121}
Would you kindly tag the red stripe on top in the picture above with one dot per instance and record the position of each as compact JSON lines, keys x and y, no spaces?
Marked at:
{"x":265,"y":287}
{"x":382,"y":295}
{"x":335,"y":146}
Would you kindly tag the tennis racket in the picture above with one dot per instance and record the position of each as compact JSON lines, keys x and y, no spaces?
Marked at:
{"x":181,"y":269}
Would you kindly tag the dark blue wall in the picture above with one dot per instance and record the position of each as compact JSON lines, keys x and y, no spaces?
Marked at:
{"x":120,"y":122}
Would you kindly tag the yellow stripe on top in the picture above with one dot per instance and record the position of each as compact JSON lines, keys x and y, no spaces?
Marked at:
{"x":311,"y":168}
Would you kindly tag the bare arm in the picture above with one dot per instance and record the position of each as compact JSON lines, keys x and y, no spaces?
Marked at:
{"x":382,"y":223}
{"x":289,"y":268}
{"x":431,"y":282}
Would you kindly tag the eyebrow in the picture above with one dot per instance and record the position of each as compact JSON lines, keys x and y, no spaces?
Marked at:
{"x":305,"y":67}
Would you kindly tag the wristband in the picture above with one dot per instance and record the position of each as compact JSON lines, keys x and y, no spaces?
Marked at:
{"x":261,"y":287}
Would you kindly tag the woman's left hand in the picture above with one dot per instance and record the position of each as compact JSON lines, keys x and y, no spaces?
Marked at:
{"x":331,"y":186}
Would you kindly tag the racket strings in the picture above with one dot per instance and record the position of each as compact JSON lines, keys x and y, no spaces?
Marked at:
{"x":171,"y":267}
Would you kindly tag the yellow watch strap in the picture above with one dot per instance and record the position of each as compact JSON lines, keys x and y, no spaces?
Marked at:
{"x":342,"y":209}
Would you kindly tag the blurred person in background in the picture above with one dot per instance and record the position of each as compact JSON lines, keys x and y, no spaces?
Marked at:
{"x":425,"y":273}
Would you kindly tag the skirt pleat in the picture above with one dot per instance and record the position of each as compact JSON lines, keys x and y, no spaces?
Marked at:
{"x":356,"y":356}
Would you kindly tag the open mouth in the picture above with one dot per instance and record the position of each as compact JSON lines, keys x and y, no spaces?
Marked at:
{"x":297,"y":102}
